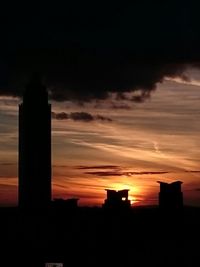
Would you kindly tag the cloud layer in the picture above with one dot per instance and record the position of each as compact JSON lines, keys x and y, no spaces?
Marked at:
{"x":123,"y":173}
{"x":86,"y":52}
{"x":79,"y":116}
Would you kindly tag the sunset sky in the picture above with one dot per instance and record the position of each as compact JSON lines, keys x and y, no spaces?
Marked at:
{"x":124,"y":84}
{"x":116,"y":144}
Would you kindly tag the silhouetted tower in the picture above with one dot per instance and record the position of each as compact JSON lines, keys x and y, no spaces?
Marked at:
{"x":170,"y":195}
{"x":35,"y":146}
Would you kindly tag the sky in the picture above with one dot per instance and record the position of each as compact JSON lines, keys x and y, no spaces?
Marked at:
{"x":112,"y":144}
{"x":123,"y":80}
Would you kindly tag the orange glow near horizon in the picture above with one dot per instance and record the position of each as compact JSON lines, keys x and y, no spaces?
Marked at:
{"x":143,"y":143}
{"x":133,"y":200}
{"x":92,"y":192}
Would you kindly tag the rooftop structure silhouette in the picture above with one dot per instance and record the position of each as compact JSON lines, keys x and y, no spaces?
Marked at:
{"x":170,"y":195}
{"x":117,"y":199}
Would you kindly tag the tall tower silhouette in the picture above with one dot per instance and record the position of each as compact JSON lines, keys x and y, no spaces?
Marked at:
{"x":35,"y":146}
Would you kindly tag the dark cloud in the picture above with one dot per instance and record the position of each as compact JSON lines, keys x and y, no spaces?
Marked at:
{"x":79,"y":116}
{"x":102,"y":118}
{"x":59,"y":116}
{"x":142,"y":97}
{"x":105,"y":173}
{"x":98,"y":167}
{"x":151,"y":173}
{"x":122,"y":173}
{"x":87,"y":50}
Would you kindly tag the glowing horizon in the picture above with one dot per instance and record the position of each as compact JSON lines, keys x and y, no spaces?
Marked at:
{"x":142,"y":143}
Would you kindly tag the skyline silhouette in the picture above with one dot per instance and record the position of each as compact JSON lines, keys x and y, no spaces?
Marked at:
{"x":134,"y":145}
{"x":109,"y":170}
{"x":103,"y":151}
{"x":124,"y":85}
{"x":35,"y":158}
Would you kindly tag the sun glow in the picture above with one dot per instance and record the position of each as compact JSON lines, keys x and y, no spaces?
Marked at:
{"x":133,"y":200}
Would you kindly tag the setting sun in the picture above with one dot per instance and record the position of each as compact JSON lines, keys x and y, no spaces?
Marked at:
{"x":133,"y":191}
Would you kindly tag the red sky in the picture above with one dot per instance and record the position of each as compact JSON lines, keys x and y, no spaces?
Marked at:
{"x":145,"y":142}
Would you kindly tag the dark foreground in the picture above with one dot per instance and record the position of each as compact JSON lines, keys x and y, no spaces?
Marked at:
{"x":94,"y":237}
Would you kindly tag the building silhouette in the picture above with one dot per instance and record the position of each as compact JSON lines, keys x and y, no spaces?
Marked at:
{"x":117,"y":199}
{"x":170,"y":195}
{"x":35,"y":146}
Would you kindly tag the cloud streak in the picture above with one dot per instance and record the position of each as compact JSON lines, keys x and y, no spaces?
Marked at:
{"x":98,"y":167}
{"x":79,"y":116}
{"x":192,"y":171}
{"x":124,"y":173}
